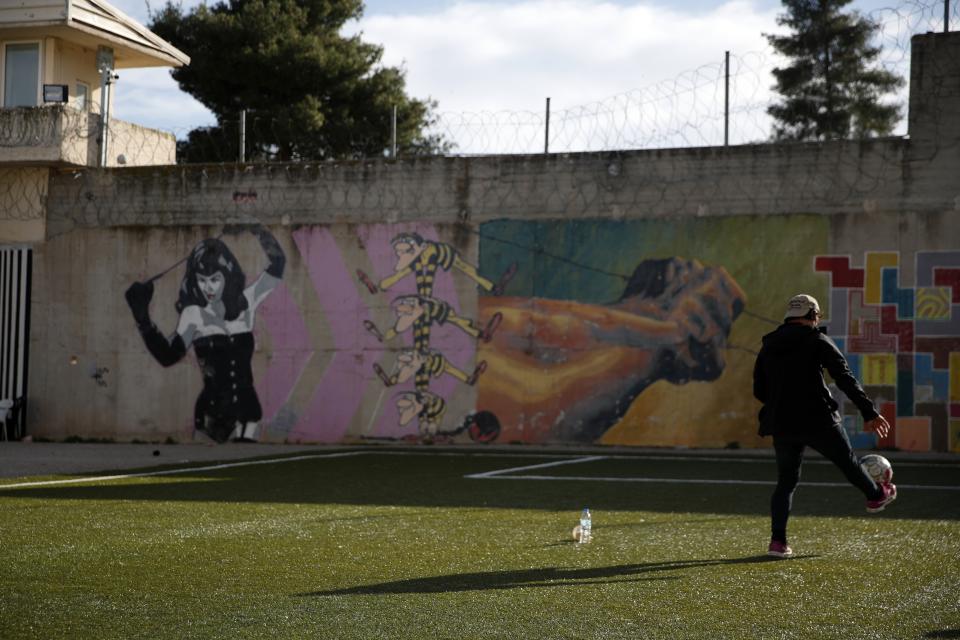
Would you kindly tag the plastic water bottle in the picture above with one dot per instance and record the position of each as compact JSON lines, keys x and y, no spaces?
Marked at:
{"x":586,"y":526}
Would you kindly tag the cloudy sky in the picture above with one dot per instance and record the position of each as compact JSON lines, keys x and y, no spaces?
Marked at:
{"x":475,"y":56}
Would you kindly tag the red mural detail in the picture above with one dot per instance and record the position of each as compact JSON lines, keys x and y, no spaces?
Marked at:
{"x":902,"y":329}
{"x":841,"y":275}
{"x":871,"y":340}
{"x":955,"y":410}
{"x":857,"y":312}
{"x":944,"y":277}
{"x":940,"y":348}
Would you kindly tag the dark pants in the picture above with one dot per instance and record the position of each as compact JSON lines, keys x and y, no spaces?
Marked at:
{"x":834,"y":445}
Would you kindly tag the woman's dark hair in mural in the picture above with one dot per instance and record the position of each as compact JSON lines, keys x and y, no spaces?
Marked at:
{"x":216,"y":318}
{"x":407,"y":236}
{"x":208,"y":257}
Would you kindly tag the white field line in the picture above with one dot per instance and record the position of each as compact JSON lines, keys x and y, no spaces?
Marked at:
{"x":660,"y":458}
{"x":770,"y":460}
{"x":556,"y":463}
{"x":494,"y":475}
{"x":501,"y":474}
{"x":167,"y":472}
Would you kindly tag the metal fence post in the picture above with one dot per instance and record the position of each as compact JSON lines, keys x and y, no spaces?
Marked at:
{"x":243,"y":135}
{"x":546,"y":130}
{"x":393,"y":134}
{"x":726,"y":100}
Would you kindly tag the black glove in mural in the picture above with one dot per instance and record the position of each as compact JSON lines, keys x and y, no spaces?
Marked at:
{"x":138,"y":296}
{"x":165,"y":351}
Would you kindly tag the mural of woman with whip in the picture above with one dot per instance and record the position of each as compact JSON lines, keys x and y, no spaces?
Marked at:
{"x":216,"y":317}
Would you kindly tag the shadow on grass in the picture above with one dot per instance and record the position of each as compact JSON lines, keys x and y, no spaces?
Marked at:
{"x":943,"y":633}
{"x":543,"y":577}
{"x":440,"y":481}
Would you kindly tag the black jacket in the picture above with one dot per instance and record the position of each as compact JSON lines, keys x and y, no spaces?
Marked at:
{"x":788,"y":380}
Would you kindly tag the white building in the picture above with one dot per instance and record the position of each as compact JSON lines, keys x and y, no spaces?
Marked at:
{"x":58,"y":60}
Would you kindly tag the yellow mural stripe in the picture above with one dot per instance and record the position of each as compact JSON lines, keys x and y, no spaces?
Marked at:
{"x":955,"y":377}
{"x":876,"y":261}
{"x":933,"y":303}
{"x":955,"y":436}
{"x":880,"y":369}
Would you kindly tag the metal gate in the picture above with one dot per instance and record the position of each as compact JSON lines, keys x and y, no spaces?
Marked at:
{"x":15,"y":275}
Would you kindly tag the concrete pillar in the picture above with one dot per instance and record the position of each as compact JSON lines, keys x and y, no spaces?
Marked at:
{"x":935,"y":89}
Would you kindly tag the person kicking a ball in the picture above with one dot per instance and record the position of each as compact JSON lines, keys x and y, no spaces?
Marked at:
{"x":799,"y":412}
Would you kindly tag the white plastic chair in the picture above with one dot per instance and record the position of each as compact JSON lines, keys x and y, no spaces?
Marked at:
{"x":6,"y":413}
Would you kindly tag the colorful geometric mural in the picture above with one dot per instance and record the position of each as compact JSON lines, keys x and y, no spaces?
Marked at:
{"x":903,"y":340}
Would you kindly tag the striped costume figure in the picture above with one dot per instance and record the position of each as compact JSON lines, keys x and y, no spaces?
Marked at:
{"x":428,"y":408}
{"x":420,"y":313}
{"x":422,"y":366}
{"x":432,"y":412}
{"x":423,"y":258}
{"x":435,"y":365}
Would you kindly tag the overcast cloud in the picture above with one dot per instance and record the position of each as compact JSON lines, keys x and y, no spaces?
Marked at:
{"x":477,"y":56}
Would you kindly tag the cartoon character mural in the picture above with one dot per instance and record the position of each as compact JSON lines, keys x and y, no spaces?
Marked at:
{"x":423,"y":364}
{"x":561,"y":370}
{"x":421,"y":312}
{"x":422,"y":258}
{"x":217,"y":315}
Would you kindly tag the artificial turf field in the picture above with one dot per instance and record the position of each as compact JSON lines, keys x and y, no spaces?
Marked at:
{"x":447,"y":544}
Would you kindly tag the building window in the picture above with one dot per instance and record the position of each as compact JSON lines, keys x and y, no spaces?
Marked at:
{"x":21,"y":75}
{"x":80,"y":96}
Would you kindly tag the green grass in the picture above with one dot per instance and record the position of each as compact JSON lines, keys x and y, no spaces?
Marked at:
{"x":404,"y":546}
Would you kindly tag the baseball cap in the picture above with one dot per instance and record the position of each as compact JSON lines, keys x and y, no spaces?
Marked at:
{"x":800,"y":305}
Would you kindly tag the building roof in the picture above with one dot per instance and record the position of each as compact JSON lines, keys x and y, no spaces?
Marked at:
{"x":91,"y":23}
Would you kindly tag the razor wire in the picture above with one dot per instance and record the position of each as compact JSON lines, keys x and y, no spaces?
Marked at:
{"x":684,"y":111}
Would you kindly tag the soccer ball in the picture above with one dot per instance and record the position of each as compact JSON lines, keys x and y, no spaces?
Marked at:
{"x":877,"y":467}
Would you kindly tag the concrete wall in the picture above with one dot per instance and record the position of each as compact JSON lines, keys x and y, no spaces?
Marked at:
{"x":64,"y":135}
{"x":75,"y":63}
{"x":23,"y":195}
{"x":603,"y":297}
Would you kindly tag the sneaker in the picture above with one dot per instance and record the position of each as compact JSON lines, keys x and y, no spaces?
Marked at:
{"x":779,"y":549}
{"x":889,"y":495}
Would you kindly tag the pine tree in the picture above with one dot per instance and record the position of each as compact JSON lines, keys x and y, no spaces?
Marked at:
{"x":832,"y":87}
{"x":309,"y":92}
